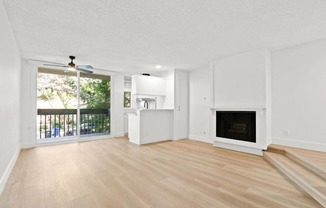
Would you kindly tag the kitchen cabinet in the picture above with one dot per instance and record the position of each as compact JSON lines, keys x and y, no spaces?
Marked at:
{"x":157,"y":124}
{"x":150,"y":125}
{"x":148,"y":85}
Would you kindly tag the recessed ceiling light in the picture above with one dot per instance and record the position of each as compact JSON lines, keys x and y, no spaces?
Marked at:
{"x":158,"y":66}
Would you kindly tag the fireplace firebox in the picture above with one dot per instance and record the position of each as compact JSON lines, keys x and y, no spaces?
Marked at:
{"x":236,"y":125}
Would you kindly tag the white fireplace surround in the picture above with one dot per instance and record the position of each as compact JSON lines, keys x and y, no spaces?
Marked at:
{"x":242,"y":83}
{"x":243,"y":146}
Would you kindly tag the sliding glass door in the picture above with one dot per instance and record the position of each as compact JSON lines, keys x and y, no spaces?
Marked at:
{"x":71,"y":105}
{"x":94,"y":105}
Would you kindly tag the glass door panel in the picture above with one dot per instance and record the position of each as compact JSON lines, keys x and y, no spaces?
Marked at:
{"x":94,"y":105}
{"x":56,"y":104}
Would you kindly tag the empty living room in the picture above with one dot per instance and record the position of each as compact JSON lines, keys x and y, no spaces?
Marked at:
{"x":176,"y":103}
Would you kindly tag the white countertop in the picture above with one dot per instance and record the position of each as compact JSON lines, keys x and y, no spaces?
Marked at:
{"x":163,"y":109}
{"x":137,"y":111}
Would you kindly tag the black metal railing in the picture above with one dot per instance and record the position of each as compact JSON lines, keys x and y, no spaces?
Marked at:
{"x":63,"y":122}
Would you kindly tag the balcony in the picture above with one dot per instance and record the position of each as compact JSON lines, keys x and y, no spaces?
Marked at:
{"x":59,"y":123}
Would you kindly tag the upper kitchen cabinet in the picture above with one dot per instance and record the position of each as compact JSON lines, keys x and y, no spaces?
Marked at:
{"x":148,"y":85}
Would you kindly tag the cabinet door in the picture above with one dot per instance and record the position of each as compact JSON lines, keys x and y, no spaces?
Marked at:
{"x":181,"y":105}
{"x":148,"y":85}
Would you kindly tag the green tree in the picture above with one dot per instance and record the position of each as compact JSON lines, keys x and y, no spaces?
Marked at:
{"x":126,"y":99}
{"x":52,"y":87}
{"x":95,"y":93}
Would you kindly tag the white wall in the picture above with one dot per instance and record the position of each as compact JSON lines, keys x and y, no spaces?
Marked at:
{"x":28,"y":107}
{"x":299,"y":96}
{"x":117,"y":109}
{"x":240,"y":80}
{"x":9,"y":98}
{"x":199,"y":105}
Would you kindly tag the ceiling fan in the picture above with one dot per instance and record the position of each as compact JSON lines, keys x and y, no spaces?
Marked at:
{"x":71,"y":66}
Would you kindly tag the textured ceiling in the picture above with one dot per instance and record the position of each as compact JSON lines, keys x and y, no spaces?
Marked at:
{"x":136,"y":35}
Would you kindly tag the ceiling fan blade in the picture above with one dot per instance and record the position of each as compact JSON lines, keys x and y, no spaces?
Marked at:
{"x":105,"y":70}
{"x":86,"y":67}
{"x":85,"y":70}
{"x":55,"y":65}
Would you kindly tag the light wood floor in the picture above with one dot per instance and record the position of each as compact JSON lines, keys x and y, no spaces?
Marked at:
{"x":314,"y":157}
{"x":115,"y":173}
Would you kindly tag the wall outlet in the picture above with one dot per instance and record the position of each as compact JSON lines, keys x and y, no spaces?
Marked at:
{"x":285,"y":132}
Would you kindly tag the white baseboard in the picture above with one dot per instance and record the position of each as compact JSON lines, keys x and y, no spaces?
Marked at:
{"x":27,"y":146}
{"x":8,"y":170}
{"x":69,"y":140}
{"x":299,"y":144}
{"x":200,"y":138}
{"x":239,"y":148}
{"x":118,"y":134}
{"x":176,"y":139}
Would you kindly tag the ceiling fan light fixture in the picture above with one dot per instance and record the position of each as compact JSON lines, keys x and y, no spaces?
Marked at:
{"x":72,"y":65}
{"x":70,"y":68}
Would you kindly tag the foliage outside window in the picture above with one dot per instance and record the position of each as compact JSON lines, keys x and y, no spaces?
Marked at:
{"x":127,"y":92}
{"x":126,"y":99}
{"x":95,"y":93}
{"x":57,"y":90}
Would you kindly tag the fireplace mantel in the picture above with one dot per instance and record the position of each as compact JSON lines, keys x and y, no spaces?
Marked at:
{"x":242,"y":82}
{"x":240,"y":107}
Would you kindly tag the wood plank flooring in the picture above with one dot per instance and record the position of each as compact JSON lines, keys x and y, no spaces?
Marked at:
{"x":116,"y":173}
{"x":303,"y":167}
{"x":313,"y":160}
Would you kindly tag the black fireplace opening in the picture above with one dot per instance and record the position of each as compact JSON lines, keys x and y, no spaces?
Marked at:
{"x":237,"y":125}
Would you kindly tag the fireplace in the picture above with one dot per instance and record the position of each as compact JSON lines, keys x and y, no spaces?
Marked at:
{"x":236,"y":125}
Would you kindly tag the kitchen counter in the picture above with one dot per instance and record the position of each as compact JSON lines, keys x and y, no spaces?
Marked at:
{"x":155,"y":109}
{"x":150,"y":125}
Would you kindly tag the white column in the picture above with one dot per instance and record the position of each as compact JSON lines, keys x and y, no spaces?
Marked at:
{"x":117,"y":109}
{"x":78,"y":104}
